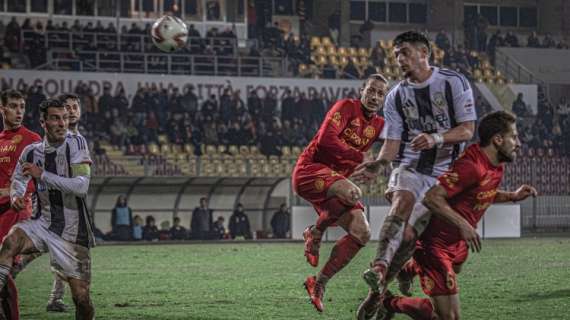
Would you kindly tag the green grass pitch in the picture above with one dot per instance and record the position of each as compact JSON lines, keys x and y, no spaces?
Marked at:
{"x":509,"y":279}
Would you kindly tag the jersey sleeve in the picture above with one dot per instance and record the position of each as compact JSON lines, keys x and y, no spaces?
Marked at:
{"x":463,"y":102}
{"x":19,"y":184}
{"x":393,"y":125}
{"x":335,"y":122}
{"x":460,"y":177}
{"x":79,"y":150}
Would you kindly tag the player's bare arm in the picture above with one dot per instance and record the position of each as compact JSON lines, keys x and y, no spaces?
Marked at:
{"x":368,"y":170}
{"x":436,"y":201}
{"x":462,"y":133}
{"x":521,"y":194}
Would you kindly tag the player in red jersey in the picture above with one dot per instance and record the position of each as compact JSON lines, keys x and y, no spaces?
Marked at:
{"x":13,"y":139}
{"x":320,"y":177}
{"x":458,"y":202}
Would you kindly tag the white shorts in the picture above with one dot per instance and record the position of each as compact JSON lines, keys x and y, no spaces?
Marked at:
{"x":67,"y":259}
{"x":403,"y":178}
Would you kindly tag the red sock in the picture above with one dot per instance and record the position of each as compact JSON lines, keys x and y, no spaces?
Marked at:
{"x":415,"y":308}
{"x":344,"y":250}
{"x":10,"y":301}
{"x":333,"y":208}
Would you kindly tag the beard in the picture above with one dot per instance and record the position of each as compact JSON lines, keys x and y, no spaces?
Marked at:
{"x":504,"y":156}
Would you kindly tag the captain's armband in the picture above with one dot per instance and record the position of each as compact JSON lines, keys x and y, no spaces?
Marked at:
{"x":81,"y":169}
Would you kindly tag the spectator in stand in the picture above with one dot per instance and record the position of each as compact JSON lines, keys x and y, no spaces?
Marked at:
{"x":280,"y":222}
{"x":210,"y":107}
{"x":533,"y":41}
{"x":334,"y":26}
{"x":121,"y":220}
{"x":12,"y":35}
{"x":219,"y":231}
{"x":287,"y":106}
{"x":519,"y":106}
{"x":239,"y":224}
{"x":150,"y":230}
{"x":269,"y":108}
{"x":511,"y":39}
{"x":178,"y":232}
{"x":210,"y":133}
{"x":254,"y":105}
{"x":189,"y":101}
{"x":201,"y":223}
{"x":548,"y":41}
{"x":270,"y":143}
{"x":137,"y":228}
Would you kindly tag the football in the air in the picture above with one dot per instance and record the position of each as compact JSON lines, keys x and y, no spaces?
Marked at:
{"x":169,"y":33}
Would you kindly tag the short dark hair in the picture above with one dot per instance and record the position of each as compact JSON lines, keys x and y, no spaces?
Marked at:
{"x":10,"y":94}
{"x":376,"y":76}
{"x":497,"y":122}
{"x":49,"y":103}
{"x":66,"y":96}
{"x":412,"y":37}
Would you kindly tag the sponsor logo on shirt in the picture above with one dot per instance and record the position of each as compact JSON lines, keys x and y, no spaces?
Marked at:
{"x":336,"y":118}
{"x":319,"y":184}
{"x":369,"y":132}
{"x":355,"y":122}
{"x":17,"y":139}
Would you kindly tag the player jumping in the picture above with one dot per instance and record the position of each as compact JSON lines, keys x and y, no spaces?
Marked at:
{"x":458,"y":202}
{"x":429,"y":116}
{"x":320,"y":177}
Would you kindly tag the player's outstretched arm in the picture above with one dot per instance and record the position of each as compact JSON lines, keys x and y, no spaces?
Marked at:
{"x":521,"y":194}
{"x":436,"y":200}
{"x":368,"y":170}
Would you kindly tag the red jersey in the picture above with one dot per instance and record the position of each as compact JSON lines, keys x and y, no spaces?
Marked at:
{"x":471,"y":186}
{"x":343,"y":137}
{"x":12,"y":143}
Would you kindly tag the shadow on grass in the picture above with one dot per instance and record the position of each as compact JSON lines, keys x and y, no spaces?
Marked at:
{"x":563,"y":293}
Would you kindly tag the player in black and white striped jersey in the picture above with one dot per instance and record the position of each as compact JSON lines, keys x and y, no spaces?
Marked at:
{"x":60,"y":169}
{"x":429,"y":117}
{"x":55,"y":300}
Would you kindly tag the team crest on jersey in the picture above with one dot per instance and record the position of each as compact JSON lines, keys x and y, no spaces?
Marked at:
{"x":451,"y":178}
{"x":17,"y":139}
{"x":428,"y":283}
{"x":369,"y":132}
{"x":355,"y":122}
{"x":336,"y":118}
{"x":319,"y":184}
{"x":439,"y":100}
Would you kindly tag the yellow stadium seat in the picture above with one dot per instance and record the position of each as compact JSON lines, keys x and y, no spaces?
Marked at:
{"x":342,"y":52}
{"x":343,"y":61}
{"x":296,"y":150}
{"x":331,"y":51}
{"x":364,"y":52}
{"x":315,"y":42}
{"x":233,"y":149}
{"x":320,"y":51}
{"x":189,"y":149}
{"x":352,"y":52}
{"x":153,"y":149}
{"x":286,"y":151}
{"x":165,"y":149}
{"x":326,"y":41}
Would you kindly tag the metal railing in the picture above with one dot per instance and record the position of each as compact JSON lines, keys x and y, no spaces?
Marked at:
{"x":515,"y":70}
{"x":139,"y":42}
{"x":173,"y":63}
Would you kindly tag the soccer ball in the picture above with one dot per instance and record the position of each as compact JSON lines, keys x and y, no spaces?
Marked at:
{"x":169,"y":33}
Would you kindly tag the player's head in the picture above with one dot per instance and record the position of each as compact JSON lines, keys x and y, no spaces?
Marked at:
{"x":54,"y":120}
{"x":12,"y":107}
{"x":412,"y":50}
{"x":499,"y":130}
{"x":203,"y":202}
{"x":373,"y":92}
{"x":73,"y":106}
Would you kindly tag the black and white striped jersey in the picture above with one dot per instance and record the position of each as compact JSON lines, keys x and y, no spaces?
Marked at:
{"x":59,"y":198}
{"x":434,"y":106}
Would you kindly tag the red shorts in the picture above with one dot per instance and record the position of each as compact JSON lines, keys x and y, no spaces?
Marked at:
{"x":9,"y":218}
{"x":436,"y":264}
{"x":311,"y":181}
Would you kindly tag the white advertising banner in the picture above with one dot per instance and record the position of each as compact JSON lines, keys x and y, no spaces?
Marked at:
{"x":58,"y":82}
